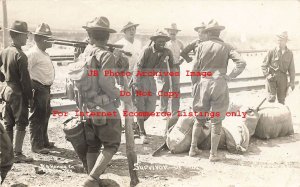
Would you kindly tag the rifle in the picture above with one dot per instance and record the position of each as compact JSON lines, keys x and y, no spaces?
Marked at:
{"x":78,"y":44}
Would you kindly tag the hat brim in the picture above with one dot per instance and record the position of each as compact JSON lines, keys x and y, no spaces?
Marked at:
{"x":214,"y":28}
{"x":282,"y":37}
{"x":99,"y":29}
{"x":27,"y":32}
{"x":172,"y":29}
{"x":197,"y":28}
{"x":153,"y":38}
{"x":127,"y":27}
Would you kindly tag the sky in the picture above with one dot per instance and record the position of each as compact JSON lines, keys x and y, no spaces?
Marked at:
{"x":246,"y":16}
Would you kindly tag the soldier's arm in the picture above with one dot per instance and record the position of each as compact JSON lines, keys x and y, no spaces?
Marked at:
{"x":31,"y":62}
{"x":185,"y":52}
{"x":24,"y":76}
{"x":108,"y":83}
{"x":291,"y":70}
{"x":196,"y":66}
{"x":240,"y":63}
{"x":266,"y":63}
{"x":2,"y":77}
{"x":139,"y":67}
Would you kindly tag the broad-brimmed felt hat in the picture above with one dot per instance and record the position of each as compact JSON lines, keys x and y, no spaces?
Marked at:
{"x":173,"y":27}
{"x":202,"y":26}
{"x":283,"y":35}
{"x":213,"y":25}
{"x":160,"y":34}
{"x":43,"y":29}
{"x":19,"y":27}
{"x":128,"y":25}
{"x":99,"y":23}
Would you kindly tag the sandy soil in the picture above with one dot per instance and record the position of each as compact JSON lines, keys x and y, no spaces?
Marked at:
{"x":273,"y":162}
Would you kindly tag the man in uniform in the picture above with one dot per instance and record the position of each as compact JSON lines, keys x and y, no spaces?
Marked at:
{"x":211,"y":93}
{"x":193,"y":45}
{"x":18,"y":92}
{"x":275,"y":66}
{"x":154,"y":57}
{"x":41,"y":72}
{"x":107,"y":133}
{"x":175,"y":46}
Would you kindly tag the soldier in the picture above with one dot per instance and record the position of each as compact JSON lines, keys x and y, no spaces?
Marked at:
{"x":107,"y":133}
{"x":193,"y":45}
{"x":211,"y":93}
{"x":275,"y":66}
{"x":153,"y":57}
{"x":175,"y":46}
{"x":134,"y":46}
{"x":131,"y":44}
{"x":18,"y":91}
{"x":42,"y":74}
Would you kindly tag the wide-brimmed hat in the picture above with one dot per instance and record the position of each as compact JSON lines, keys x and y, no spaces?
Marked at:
{"x":99,"y":23}
{"x":160,"y":34}
{"x":19,"y":27}
{"x":202,"y":26}
{"x":283,"y":35}
{"x":173,"y":27}
{"x":43,"y":29}
{"x":213,"y":25}
{"x":128,"y":25}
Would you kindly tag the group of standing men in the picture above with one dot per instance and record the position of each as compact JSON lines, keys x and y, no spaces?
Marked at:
{"x":28,"y":79}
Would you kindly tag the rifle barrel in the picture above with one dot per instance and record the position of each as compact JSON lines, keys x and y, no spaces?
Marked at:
{"x":73,"y":43}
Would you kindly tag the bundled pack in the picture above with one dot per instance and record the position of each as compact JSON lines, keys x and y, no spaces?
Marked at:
{"x":74,"y":131}
{"x":237,"y":134}
{"x":179,"y":136}
{"x":275,"y":120}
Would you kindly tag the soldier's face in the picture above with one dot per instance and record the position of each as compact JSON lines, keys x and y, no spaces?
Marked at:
{"x":202,"y":35}
{"x":281,"y":42}
{"x":130,"y":32}
{"x":22,"y":39}
{"x":172,"y":34}
{"x":159,"y":44}
{"x":47,"y":44}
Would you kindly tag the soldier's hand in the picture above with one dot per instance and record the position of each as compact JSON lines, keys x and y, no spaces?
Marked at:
{"x":181,"y":61}
{"x":292,"y":85}
{"x":30,"y":103}
{"x":126,"y":99}
{"x":227,"y":78}
{"x":270,"y":77}
{"x":117,"y":53}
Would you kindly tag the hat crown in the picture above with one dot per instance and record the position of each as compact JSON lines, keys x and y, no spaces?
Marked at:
{"x":128,"y":25}
{"x":173,"y":27}
{"x":283,"y":35}
{"x":212,"y":23}
{"x":19,"y":26}
{"x":160,"y":33}
{"x":202,"y":26}
{"x":102,"y":22}
{"x":43,"y":29}
{"x":99,"y":23}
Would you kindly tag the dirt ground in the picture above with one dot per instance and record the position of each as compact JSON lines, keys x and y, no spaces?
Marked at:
{"x":273,"y":162}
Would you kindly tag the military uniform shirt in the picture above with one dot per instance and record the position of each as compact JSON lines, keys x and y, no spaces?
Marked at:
{"x":278,"y":61}
{"x":15,"y":69}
